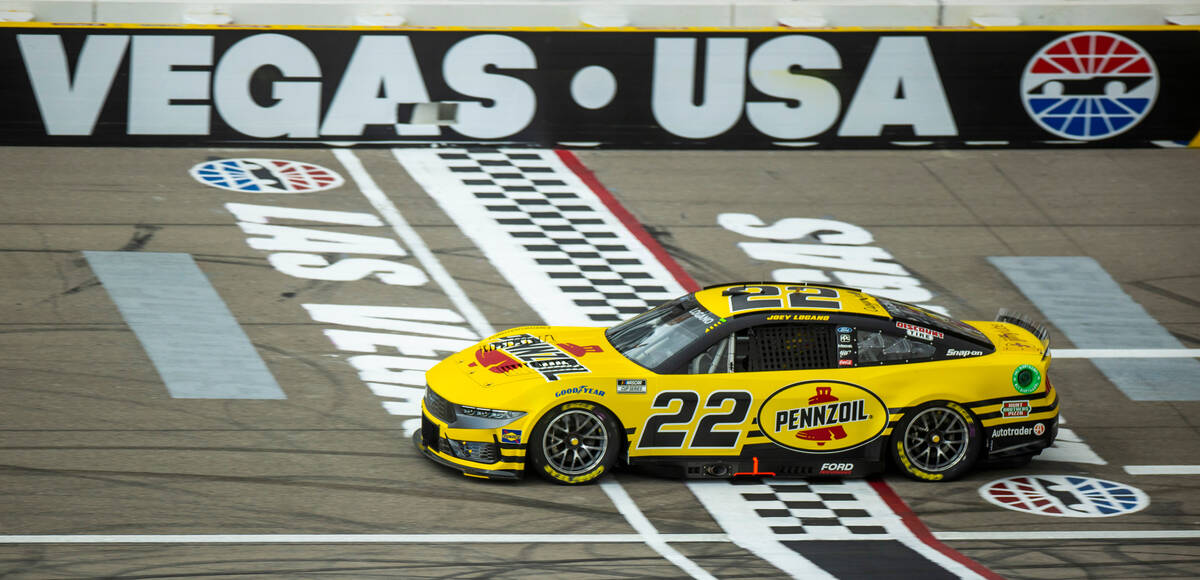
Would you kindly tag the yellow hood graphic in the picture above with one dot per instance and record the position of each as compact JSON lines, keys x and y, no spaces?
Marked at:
{"x":549,"y":353}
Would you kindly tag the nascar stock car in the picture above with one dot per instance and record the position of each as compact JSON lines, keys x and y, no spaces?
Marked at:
{"x":760,"y":378}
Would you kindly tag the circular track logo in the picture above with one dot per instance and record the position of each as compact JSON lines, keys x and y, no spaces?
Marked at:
{"x":1065,"y":496}
{"x":1089,"y":86}
{"x":266,"y":175}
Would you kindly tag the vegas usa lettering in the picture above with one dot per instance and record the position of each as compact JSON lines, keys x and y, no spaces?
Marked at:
{"x":179,"y":83}
{"x":831,"y":251}
{"x":399,"y":343}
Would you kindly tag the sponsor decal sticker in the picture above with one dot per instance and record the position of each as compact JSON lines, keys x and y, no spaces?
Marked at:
{"x":1020,"y":431}
{"x":1089,"y":86}
{"x":919,"y":331}
{"x":844,"y":330}
{"x":501,"y":356}
{"x":510,"y":435}
{"x":836,"y":468}
{"x":631,"y":386}
{"x":844,"y":338}
{"x":845,"y":362}
{"x":1039,"y":429}
{"x":1010,"y":409}
{"x":266,"y":175}
{"x":1065,"y":496}
{"x":1026,"y":379}
{"x":960,"y":352}
{"x":822,"y":416}
{"x":580,"y":390}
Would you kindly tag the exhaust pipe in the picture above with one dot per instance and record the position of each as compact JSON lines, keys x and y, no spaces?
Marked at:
{"x":717,"y":470}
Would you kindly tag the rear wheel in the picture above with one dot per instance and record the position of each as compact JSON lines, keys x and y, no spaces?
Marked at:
{"x":937,"y":441}
{"x":575,"y":443}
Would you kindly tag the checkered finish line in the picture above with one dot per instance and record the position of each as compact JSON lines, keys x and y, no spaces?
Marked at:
{"x":546,"y":231}
{"x":801,"y":509}
{"x":822,"y":528}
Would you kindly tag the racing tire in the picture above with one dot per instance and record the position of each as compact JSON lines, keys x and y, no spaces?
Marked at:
{"x":937,"y":441}
{"x":575,"y":443}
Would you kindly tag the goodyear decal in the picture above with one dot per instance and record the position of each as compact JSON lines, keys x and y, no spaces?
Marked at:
{"x":547,"y":359}
{"x":580,"y":390}
{"x":822,"y":416}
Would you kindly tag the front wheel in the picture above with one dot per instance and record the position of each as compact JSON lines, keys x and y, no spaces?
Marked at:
{"x":937,"y":441}
{"x":575,"y":443}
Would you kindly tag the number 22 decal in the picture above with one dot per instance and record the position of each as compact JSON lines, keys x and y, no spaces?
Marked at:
{"x":767,"y":297}
{"x":706,"y":436}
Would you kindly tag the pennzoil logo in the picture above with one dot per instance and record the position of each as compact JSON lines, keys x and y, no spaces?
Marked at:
{"x":822,"y":416}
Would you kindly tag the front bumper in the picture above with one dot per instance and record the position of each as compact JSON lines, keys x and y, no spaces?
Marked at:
{"x":473,"y":455}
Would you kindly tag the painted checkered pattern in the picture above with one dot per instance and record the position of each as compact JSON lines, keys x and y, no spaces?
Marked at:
{"x":546,"y":231}
{"x":825,"y":510}
{"x":804,"y":509}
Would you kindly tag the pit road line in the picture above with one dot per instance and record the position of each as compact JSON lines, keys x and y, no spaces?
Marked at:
{"x":392,"y":215}
{"x":1162,"y":469}
{"x":1071,"y":535}
{"x":1125,"y":352}
{"x":357,"y":539}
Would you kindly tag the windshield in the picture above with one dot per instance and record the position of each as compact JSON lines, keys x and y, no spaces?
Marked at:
{"x":653,"y":336}
{"x":919,"y":315}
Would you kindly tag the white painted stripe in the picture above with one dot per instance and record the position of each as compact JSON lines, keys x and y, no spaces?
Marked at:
{"x":1071,"y":535}
{"x":379,"y":200}
{"x":647,"y":531}
{"x":1162,"y":469}
{"x":1125,"y":352}
{"x":353,"y":538}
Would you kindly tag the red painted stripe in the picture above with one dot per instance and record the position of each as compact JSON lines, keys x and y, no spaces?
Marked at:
{"x":631,"y":223}
{"x":917,"y":527}
{"x":889,"y":496}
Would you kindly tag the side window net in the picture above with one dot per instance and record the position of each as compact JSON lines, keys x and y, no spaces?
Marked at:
{"x":791,"y":347}
{"x":875,"y":346}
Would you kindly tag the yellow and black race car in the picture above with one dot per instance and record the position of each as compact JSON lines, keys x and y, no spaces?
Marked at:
{"x":759,"y":378}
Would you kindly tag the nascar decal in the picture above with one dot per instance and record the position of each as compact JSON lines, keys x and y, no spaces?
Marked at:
{"x":822,"y":416}
{"x":1089,"y":86}
{"x":511,"y":352}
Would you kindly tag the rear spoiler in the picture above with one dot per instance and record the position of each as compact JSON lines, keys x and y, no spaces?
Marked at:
{"x":1018,"y":319}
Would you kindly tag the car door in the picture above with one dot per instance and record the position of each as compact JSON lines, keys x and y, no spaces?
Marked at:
{"x":711,"y":406}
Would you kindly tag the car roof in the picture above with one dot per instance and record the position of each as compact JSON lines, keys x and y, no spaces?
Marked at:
{"x":720,"y":299}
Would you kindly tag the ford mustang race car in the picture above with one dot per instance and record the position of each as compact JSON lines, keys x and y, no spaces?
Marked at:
{"x":760,"y":378}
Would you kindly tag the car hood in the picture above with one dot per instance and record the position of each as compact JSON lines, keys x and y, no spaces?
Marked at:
{"x":536,"y":354}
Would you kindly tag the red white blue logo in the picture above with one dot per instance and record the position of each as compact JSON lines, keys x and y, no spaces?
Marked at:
{"x":266,"y":175}
{"x":1089,"y":86}
{"x":1065,"y":496}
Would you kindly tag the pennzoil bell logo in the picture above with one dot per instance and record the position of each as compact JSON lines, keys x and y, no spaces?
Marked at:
{"x":1089,"y":86}
{"x":822,"y":416}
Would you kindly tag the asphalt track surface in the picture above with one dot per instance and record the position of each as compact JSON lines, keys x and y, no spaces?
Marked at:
{"x":92,"y":444}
